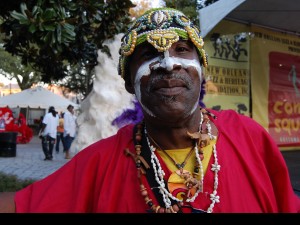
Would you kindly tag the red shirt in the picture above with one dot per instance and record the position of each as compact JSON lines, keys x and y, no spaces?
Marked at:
{"x":100,"y":178}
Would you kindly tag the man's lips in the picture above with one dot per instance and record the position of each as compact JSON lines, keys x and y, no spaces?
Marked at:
{"x":169,"y":87}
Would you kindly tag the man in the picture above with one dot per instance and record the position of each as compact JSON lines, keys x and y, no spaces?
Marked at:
{"x":180,"y":158}
{"x":48,"y":132}
{"x":69,"y":129}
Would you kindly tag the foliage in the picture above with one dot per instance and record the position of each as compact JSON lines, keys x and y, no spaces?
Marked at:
{"x":204,"y":3}
{"x":11,"y":67}
{"x":11,"y":183}
{"x":189,"y":7}
{"x":52,"y":36}
{"x":78,"y":78}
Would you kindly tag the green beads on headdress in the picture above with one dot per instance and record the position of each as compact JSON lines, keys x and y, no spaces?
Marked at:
{"x":161,"y":28}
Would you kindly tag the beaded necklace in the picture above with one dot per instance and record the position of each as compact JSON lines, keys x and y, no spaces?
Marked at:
{"x":159,"y":176}
{"x":179,"y":166}
{"x":159,"y":173}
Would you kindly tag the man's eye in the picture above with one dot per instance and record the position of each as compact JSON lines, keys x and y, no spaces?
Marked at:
{"x":181,"y":49}
{"x":148,"y":54}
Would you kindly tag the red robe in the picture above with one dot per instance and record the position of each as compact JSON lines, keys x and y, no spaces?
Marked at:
{"x":253,"y":177}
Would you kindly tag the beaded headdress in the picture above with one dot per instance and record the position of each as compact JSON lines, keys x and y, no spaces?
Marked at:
{"x":160,"y":27}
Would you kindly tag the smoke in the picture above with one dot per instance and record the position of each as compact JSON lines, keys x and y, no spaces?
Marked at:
{"x":107,"y":100}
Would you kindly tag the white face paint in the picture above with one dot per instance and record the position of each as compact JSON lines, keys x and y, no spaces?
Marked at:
{"x":168,"y":63}
{"x":144,"y":70}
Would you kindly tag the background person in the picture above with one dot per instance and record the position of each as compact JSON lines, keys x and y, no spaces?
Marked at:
{"x":60,"y":133}
{"x":48,"y":132}
{"x":180,"y":157}
{"x":69,"y":129}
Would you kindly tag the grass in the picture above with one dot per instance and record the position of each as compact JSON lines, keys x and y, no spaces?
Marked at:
{"x":11,"y":183}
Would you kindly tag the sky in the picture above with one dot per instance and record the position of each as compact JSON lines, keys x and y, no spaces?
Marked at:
{"x":6,"y":81}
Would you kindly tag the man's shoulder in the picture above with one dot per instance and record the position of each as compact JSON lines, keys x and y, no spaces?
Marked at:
{"x":228,"y":113}
{"x":48,"y":114}
{"x":46,"y":117}
{"x":230,"y":116}
{"x":67,"y":113}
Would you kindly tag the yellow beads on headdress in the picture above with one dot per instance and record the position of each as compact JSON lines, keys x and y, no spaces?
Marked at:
{"x":198,"y":42}
{"x":128,"y":46}
{"x":196,"y":39}
{"x":162,"y":39}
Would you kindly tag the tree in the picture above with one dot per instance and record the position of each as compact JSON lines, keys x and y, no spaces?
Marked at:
{"x":54,"y":36}
{"x":204,"y":3}
{"x":189,"y":7}
{"x":11,"y":67}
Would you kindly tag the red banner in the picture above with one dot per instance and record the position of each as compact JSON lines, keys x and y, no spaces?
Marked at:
{"x":284,"y":98}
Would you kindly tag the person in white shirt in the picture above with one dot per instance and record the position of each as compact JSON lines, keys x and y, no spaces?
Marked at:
{"x":48,"y":132}
{"x":69,"y":129}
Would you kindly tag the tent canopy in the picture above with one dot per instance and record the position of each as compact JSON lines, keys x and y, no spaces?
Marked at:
{"x":279,"y":15}
{"x":38,"y":97}
{"x":275,"y":14}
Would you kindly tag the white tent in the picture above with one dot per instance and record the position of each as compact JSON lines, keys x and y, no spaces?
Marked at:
{"x":38,"y":97}
{"x":37,"y":100}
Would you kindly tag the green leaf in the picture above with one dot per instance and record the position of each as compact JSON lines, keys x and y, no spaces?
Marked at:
{"x":41,"y":27}
{"x":69,"y":31}
{"x":49,"y":27}
{"x":35,"y":10}
{"x":23,"y":8}
{"x":48,"y":14}
{"x":32,"y":28}
{"x":18,"y":16}
{"x":47,"y":37}
{"x":53,"y":39}
{"x":58,"y":33}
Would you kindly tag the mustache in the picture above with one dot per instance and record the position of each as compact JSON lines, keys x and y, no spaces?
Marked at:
{"x":154,"y":79}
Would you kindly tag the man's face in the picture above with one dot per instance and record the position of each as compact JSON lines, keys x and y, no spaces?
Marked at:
{"x":166,"y":83}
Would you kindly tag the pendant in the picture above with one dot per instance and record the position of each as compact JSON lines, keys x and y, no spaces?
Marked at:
{"x":190,"y":182}
{"x":177,"y":185}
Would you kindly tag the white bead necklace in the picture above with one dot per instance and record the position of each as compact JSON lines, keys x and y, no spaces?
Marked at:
{"x":159,"y":173}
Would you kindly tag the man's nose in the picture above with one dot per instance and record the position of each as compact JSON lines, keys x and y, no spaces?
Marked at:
{"x":168,"y":62}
